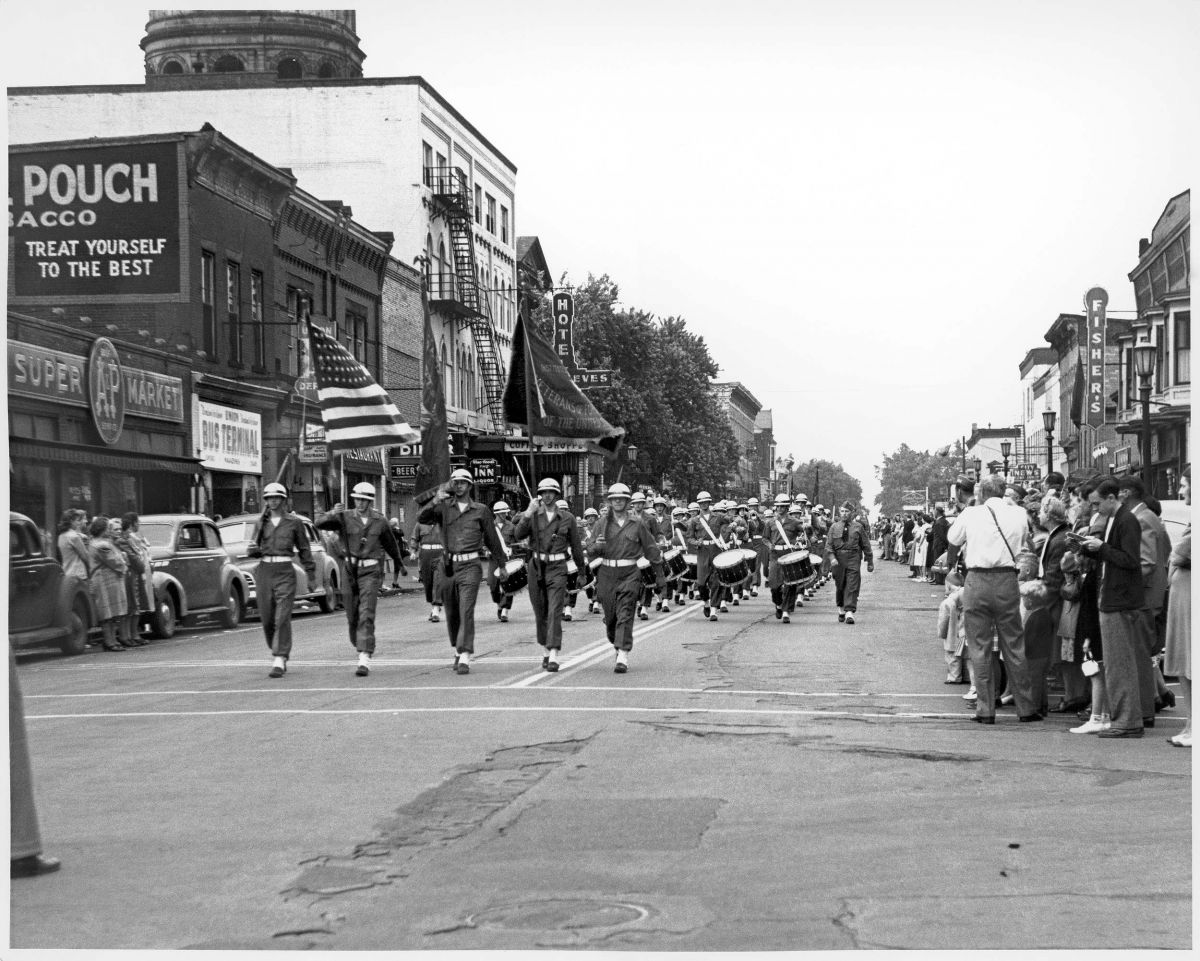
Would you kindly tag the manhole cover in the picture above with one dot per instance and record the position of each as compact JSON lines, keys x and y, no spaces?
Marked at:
{"x":560,"y":915}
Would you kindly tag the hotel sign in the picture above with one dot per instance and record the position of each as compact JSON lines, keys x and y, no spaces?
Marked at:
{"x":564,"y":345}
{"x":1096,"y":301}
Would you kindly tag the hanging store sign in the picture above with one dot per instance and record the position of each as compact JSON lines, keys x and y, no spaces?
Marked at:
{"x":1096,"y":301}
{"x":88,"y":221}
{"x":564,"y":345}
{"x":106,"y":393}
{"x":226,"y":438}
{"x":59,"y":377}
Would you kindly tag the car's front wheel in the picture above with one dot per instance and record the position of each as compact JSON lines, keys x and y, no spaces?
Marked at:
{"x":232,"y":615}
{"x":327,"y":602}
{"x":165,"y":617}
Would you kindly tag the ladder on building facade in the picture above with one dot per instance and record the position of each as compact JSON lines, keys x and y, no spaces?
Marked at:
{"x":451,"y":191}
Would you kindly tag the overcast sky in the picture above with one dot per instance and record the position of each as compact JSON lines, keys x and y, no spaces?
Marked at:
{"x":870,"y":209}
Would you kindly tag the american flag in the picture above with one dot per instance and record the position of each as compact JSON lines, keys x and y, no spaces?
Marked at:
{"x":357,"y":412}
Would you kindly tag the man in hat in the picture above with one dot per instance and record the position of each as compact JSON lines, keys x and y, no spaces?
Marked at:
{"x":849,"y":543}
{"x":366,"y":537}
{"x":276,"y":536}
{"x":553,"y":538}
{"x":468,"y":531}
{"x":506,"y":532}
{"x":705,"y":540}
{"x":590,"y":517}
{"x":617,"y":543}
{"x":678,"y":538}
{"x":754,"y":542}
{"x":426,"y":542}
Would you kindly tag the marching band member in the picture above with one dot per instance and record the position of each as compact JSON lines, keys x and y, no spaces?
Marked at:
{"x":505,"y":531}
{"x":783,"y":534}
{"x":617,"y":541}
{"x":663,"y":531}
{"x":553,"y":537}
{"x":590,"y":516}
{"x":568,"y":613}
{"x":679,"y":524}
{"x":468,"y":528}
{"x":637,"y":510}
{"x":426,"y":542}
{"x":735,"y":533}
{"x":704,"y":539}
{"x":754,"y":529}
{"x":694,"y":589}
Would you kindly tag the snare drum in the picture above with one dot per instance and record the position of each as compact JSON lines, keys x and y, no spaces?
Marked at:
{"x":673,"y":561}
{"x":731,"y":567}
{"x":693,"y":568}
{"x":796,"y":568}
{"x":751,"y":559}
{"x":648,"y":571}
{"x":517,"y":576}
{"x":572,"y":576}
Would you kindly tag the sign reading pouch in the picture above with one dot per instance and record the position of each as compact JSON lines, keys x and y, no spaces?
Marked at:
{"x":227,"y":439}
{"x":95,"y":220}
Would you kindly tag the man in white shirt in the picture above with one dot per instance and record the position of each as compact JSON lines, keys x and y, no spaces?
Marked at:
{"x":991,"y":533}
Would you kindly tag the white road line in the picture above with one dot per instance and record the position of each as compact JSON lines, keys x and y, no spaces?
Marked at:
{"x":603,"y":647}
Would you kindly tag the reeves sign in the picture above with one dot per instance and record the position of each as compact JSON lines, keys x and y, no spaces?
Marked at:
{"x":95,"y":221}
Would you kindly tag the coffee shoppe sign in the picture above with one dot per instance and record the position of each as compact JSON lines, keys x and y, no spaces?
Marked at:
{"x":109,"y":389}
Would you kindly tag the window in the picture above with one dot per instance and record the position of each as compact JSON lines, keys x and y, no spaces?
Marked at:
{"x":233,"y":310}
{"x":208,"y":262}
{"x":1158,"y":277}
{"x":478,"y":204}
{"x":1160,"y":360}
{"x":490,"y":225}
{"x":356,"y":330}
{"x":172,"y":66}
{"x":229,"y":64}
{"x":503,"y":223}
{"x":442,"y":176}
{"x":258,"y":327}
{"x":1183,"y":347}
{"x":289,"y":69}
{"x":327,"y":70}
{"x":427,"y":163}
{"x":447,"y":376}
{"x":1130,"y":377}
{"x":445,"y":288}
{"x":299,"y":305}
{"x":1177,"y":276}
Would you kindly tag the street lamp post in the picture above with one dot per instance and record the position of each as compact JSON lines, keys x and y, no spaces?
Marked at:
{"x":978,"y":467}
{"x":1005,"y":450}
{"x":1143,"y":363}
{"x":1048,"y":418}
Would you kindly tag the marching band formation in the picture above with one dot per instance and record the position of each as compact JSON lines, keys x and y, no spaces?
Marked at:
{"x":633,"y":554}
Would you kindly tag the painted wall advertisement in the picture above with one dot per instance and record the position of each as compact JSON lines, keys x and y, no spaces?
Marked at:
{"x":90,"y":221}
{"x":226,"y":438}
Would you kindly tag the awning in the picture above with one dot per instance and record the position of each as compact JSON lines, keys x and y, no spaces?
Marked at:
{"x":80,"y":456}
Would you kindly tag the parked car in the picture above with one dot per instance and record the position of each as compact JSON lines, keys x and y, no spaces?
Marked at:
{"x":236,"y":532}
{"x":44,"y":605}
{"x":192,"y":572}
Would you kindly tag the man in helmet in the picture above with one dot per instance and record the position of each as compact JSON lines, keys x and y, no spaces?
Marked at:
{"x":506,"y":531}
{"x":618,"y":541}
{"x":678,"y":538}
{"x":366,"y":539}
{"x":468,"y":530}
{"x":705,"y":538}
{"x":426,"y":539}
{"x":586,"y":524}
{"x":783,"y":534}
{"x":848,"y":544}
{"x":755,"y":542}
{"x":278,"y":534}
{"x":553,"y":538}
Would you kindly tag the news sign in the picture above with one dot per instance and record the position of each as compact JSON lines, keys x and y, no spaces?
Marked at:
{"x":95,"y":221}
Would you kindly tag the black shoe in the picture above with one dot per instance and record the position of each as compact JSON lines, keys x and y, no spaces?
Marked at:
{"x":546,"y":663}
{"x":276,"y":672}
{"x":1147,"y":722}
{"x":1164,"y":702}
{"x":841,"y":617}
{"x":461,"y":668}
{"x":552,"y":666}
{"x":362,"y":671}
{"x":983,"y":720}
{"x":1120,"y":732}
{"x":778,"y":613}
{"x":1067,"y":707}
{"x":643,"y":616}
{"x":620,"y":669}
{"x":1025,"y":718}
{"x":735,"y":602}
{"x":33,"y":866}
{"x":707,"y":610}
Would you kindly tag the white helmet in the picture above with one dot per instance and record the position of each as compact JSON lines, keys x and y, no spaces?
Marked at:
{"x":462,"y":474}
{"x":562,"y":505}
{"x":591,"y":512}
{"x":781,"y":500}
{"x":274,"y":490}
{"x":364,"y":490}
{"x":693,"y":506}
{"x":703,"y":497}
{"x":752,"y":502}
{"x":796,"y":509}
{"x":802,"y":498}
{"x":618,"y":490}
{"x":549,"y":484}
{"x":678,"y":511}
{"x":500,"y":507}
{"x":638,"y":498}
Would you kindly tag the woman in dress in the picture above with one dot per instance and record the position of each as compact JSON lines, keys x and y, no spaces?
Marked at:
{"x":1177,"y":659}
{"x":72,"y":544}
{"x":108,"y":581}
{"x":137,"y":557}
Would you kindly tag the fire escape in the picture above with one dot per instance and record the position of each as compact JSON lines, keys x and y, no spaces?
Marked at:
{"x":460,"y":294}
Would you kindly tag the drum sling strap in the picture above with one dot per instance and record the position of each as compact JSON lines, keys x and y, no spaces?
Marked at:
{"x":783,"y":534}
{"x":711,"y":535}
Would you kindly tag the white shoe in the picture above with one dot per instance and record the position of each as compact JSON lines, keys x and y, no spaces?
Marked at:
{"x":622,"y":663}
{"x":435,"y":615}
{"x":504,"y":617}
{"x":1091,"y":726}
{"x":786,"y":618}
{"x":724,"y":608}
{"x":666,"y":608}
{"x":568,"y":614}
{"x":1006,"y":698}
{"x":849,"y":617}
{"x":971,"y":695}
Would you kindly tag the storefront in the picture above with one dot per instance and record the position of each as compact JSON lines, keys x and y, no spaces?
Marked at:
{"x":229,"y":445}
{"x":501,"y":466}
{"x":94,"y":424}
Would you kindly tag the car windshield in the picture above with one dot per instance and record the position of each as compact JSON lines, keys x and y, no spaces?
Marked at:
{"x":235,"y":534}
{"x":157,"y":534}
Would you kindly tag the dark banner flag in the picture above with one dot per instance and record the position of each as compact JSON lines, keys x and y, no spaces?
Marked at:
{"x":541,"y":395}
{"x":434,"y":468}
{"x":1077,"y":392}
{"x":1096,"y":301}
{"x":356,"y":411}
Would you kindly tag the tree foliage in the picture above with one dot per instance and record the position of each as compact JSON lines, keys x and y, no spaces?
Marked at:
{"x":660,"y":392}
{"x":824,"y":482}
{"x":906,"y":469}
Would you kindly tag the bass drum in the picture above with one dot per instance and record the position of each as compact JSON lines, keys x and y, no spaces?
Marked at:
{"x":673,"y":561}
{"x":517,"y":576}
{"x":731,"y":567}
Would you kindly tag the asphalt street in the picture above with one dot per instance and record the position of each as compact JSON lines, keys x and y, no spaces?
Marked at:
{"x":748,"y":785}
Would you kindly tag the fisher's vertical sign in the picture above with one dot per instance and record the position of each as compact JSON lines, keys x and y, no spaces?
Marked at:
{"x":1096,"y":301}
{"x":96,"y":221}
{"x":564,"y":345}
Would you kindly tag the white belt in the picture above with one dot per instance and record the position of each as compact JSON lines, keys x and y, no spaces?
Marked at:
{"x":277,"y":558}
{"x":622,"y":563}
{"x":432,"y":547}
{"x":464,"y":557}
{"x":363,"y":561}
{"x":551,"y":557}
